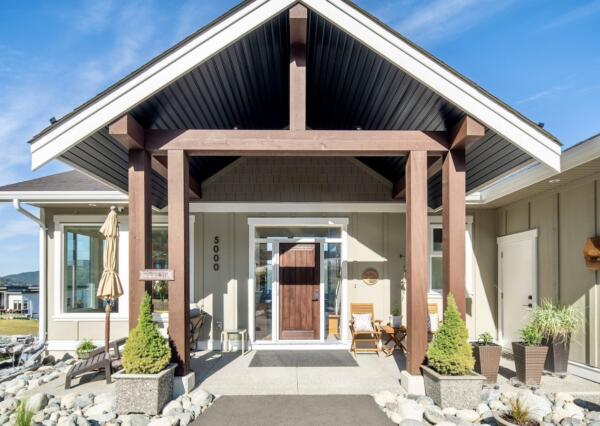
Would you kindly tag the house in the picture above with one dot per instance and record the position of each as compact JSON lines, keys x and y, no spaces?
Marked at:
{"x":289,"y":139}
{"x":19,"y":300}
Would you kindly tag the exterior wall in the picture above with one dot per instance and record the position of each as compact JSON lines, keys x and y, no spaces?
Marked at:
{"x":565,"y":217}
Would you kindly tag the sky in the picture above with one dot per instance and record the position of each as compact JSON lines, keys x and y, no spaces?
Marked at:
{"x":541,"y":57}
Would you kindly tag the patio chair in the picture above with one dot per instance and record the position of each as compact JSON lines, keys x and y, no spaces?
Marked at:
{"x":99,"y":360}
{"x":368,"y":334}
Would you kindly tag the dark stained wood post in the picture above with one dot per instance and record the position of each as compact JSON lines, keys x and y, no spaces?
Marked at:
{"x":179,"y":296}
{"x":416,"y":259}
{"x":140,"y":229}
{"x":466,"y":132}
{"x":298,"y":31}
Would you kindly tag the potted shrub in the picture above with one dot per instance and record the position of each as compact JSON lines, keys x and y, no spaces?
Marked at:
{"x":518,"y":414}
{"x":530,"y":355}
{"x":396,"y":318}
{"x":85,"y":348}
{"x":487,"y":357}
{"x":146,"y":383}
{"x":556,"y":323}
{"x":449,"y":378}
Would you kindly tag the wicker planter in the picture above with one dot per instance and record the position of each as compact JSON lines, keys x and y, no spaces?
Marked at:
{"x":84,"y":354}
{"x":144,"y":393}
{"x":462,"y":392}
{"x":557,"y":359}
{"x":529,"y":362}
{"x":487,"y":361}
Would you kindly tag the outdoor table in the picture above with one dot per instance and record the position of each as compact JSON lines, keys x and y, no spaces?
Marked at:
{"x":395,"y":334}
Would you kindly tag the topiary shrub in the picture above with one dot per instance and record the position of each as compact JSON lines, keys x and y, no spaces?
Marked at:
{"x":146,"y":351}
{"x":450,"y":353}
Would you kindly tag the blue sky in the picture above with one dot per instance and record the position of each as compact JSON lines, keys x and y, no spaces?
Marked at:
{"x":539,"y":56}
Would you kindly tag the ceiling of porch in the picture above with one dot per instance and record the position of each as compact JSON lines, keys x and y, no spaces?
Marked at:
{"x":246,"y":86}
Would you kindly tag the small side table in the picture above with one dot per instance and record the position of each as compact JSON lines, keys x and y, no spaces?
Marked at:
{"x":396,"y":334}
{"x":242,"y":332}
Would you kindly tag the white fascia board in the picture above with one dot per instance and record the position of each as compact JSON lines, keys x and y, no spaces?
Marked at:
{"x":156,"y":77}
{"x":65,"y":196}
{"x":441,"y":80}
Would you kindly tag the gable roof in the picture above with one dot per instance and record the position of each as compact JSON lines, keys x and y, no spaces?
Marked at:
{"x":212,"y":62}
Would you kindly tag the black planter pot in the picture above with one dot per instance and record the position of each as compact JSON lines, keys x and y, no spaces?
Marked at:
{"x":557,"y":359}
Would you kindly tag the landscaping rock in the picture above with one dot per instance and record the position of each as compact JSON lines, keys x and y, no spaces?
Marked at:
{"x":409,"y":422}
{"x":538,"y":406}
{"x":83,"y":401}
{"x":468,"y":415}
{"x":497,"y":405}
{"x":381,"y":398}
{"x":449,"y":411}
{"x":185,"y":419}
{"x":98,"y":409}
{"x":409,"y":409}
{"x":68,"y":401}
{"x":164,"y":421}
{"x":37,"y":402}
{"x":102,"y":418}
{"x":593,"y":416}
{"x":425,"y":401}
{"x":434,"y":415}
{"x":172,"y":407}
{"x":563,"y":397}
{"x":482,"y":408}
{"x":134,"y":420}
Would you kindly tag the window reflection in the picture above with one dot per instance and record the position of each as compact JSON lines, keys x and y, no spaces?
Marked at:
{"x":263,"y":291}
{"x":333,"y":289}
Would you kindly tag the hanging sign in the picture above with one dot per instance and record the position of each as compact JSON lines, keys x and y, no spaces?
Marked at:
{"x":157,"y":275}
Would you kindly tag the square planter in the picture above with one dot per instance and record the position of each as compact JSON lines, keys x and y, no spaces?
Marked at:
{"x":462,"y":392}
{"x":487,"y":361}
{"x":557,"y":359}
{"x":529,"y":362}
{"x":144,"y":393}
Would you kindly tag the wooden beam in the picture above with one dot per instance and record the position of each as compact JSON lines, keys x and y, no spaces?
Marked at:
{"x":453,"y":225}
{"x":160,"y":165}
{"x":416,"y":259}
{"x":128,"y":132}
{"x":179,"y":296}
{"x":467,"y":131}
{"x":140,"y":229}
{"x":298,"y":30}
{"x":295,"y":142}
{"x":434,"y":165}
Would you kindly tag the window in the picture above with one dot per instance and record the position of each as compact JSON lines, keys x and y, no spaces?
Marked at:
{"x":82,"y":268}
{"x":160,"y":260}
{"x":435,"y":257}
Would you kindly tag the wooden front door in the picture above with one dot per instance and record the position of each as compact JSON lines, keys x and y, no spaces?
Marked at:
{"x":299,"y":291}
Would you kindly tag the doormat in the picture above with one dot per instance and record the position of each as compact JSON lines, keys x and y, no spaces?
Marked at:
{"x":336,"y":358}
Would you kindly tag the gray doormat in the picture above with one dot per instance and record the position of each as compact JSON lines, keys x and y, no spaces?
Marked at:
{"x":336,"y":358}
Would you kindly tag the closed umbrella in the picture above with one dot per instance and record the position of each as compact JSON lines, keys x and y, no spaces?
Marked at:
{"x":110,"y":287}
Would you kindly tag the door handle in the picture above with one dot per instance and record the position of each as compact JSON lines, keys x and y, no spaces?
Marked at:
{"x":529,"y":305}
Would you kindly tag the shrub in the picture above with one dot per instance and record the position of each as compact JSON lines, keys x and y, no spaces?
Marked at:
{"x":450,"y":352}
{"x":24,"y":415}
{"x":530,"y":335}
{"x":396,"y":311}
{"x":517,"y":412}
{"x":85,"y":346}
{"x":485,"y":338}
{"x":146,"y":351}
{"x":556,"y":322}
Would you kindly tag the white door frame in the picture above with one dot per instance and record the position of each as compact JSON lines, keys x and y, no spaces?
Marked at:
{"x":310,"y":222}
{"x":531,"y":235}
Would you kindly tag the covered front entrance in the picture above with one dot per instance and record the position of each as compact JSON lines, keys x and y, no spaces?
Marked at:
{"x":297,"y":284}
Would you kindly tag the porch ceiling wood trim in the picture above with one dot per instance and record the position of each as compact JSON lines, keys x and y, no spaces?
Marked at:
{"x":295,"y":142}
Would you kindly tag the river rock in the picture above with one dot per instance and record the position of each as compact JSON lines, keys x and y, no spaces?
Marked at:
{"x":563,"y":397}
{"x":201,"y":397}
{"x":102,"y":418}
{"x":164,"y":421}
{"x":172,"y":407}
{"x":449,"y":411}
{"x":381,"y":398}
{"x":134,"y":420}
{"x":98,"y":409}
{"x":38,"y":402}
{"x":468,"y":415}
{"x":185,"y":418}
{"x":482,"y":408}
{"x":68,"y":401}
{"x":409,"y":422}
{"x":409,"y":409}
{"x":538,"y":406}
{"x":434,"y":415}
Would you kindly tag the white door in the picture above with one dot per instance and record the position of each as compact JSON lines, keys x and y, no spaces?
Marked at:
{"x":517,"y":283}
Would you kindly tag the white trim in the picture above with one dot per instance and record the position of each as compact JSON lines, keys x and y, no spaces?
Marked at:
{"x":297,"y":221}
{"x":278,"y":207}
{"x":104,"y":197}
{"x":583,"y":370}
{"x":519,"y":236}
{"x":441,"y":80}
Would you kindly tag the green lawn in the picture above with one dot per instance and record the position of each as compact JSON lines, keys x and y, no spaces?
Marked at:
{"x":10,"y":327}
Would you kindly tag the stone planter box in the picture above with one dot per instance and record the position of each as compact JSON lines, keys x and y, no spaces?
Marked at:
{"x":529,"y":362}
{"x":557,"y":359}
{"x":487,"y":361}
{"x":144,"y":393}
{"x":462,"y":392}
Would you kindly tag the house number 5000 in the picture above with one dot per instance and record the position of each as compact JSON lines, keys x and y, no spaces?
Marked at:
{"x":216,"y":257}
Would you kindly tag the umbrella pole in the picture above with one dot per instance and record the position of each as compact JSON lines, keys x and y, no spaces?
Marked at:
{"x":107,"y":326}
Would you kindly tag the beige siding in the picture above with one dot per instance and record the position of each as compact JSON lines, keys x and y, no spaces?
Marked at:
{"x":565,"y":217}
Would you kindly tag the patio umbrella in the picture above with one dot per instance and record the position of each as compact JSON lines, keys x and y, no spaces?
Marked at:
{"x":110,"y":287}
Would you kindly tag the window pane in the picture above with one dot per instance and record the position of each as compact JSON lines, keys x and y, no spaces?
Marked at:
{"x":298,"y":232}
{"x":263,"y":290}
{"x":436,"y":273}
{"x":83,"y":265}
{"x":437,"y":239}
{"x":160,"y":260}
{"x":333,"y":289}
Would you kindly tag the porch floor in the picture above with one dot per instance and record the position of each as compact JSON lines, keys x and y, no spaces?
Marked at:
{"x":297,"y":373}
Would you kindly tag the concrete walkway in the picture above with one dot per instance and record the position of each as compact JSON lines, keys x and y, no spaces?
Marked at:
{"x":296,"y":373}
{"x":347,"y":410}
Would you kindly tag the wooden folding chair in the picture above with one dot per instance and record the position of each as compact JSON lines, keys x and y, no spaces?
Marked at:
{"x":372,"y":339}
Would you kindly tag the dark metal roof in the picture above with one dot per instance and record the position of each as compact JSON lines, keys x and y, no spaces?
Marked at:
{"x":66,"y":181}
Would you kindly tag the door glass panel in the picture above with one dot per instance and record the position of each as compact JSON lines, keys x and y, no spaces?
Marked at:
{"x":333,"y":289}
{"x":263,"y":291}
{"x":436,"y":274}
{"x":160,"y":259}
{"x":437,"y":239}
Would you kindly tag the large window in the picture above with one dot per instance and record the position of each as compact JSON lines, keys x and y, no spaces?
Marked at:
{"x":333,"y":289}
{"x":160,"y":260}
{"x":83,"y":265}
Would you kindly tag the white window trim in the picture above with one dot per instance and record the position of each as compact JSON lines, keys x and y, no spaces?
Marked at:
{"x":436,"y":222}
{"x":60,"y":221}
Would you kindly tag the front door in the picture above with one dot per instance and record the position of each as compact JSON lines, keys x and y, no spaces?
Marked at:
{"x":299,"y":290}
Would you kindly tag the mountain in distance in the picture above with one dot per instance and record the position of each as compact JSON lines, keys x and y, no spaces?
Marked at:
{"x":24,"y":279}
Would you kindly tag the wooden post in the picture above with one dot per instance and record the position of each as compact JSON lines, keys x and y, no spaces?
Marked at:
{"x":298,"y":31}
{"x":179,"y":296}
{"x":416,"y":259}
{"x":140,"y":229}
{"x":453,"y":227}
